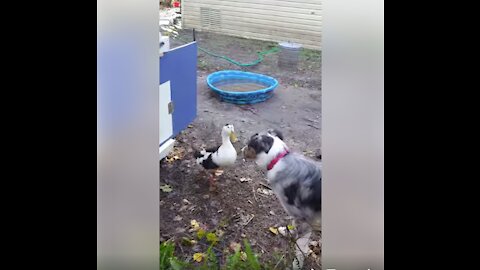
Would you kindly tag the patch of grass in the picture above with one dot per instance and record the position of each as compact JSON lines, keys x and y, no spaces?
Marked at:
{"x":211,"y":262}
{"x":219,"y":255}
{"x":271,"y":45}
{"x":308,"y":54}
{"x":252,"y":259}
{"x":167,"y":260}
{"x":244,"y":259}
{"x":233,"y":261}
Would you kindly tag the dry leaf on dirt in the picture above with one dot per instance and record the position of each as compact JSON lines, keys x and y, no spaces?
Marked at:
{"x":273,"y":230}
{"x":219,"y":233}
{"x":218,"y":172}
{"x":166,"y":188}
{"x":198,"y":257}
{"x":195,"y":225}
{"x":176,"y":154}
{"x":243,"y":256}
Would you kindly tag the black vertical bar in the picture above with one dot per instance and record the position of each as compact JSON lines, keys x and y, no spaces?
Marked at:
{"x":194,"y":34}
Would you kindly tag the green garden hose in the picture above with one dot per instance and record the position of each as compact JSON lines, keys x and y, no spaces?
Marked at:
{"x":260,"y":56}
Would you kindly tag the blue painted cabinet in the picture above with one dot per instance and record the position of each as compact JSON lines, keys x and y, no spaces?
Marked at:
{"x":177,"y":90}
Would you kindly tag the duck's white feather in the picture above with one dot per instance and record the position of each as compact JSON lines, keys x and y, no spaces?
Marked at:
{"x":223,"y":156}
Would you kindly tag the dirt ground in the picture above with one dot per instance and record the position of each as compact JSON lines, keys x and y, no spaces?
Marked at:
{"x":239,"y":207}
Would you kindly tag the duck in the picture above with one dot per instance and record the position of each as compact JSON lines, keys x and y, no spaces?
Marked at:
{"x":215,"y":158}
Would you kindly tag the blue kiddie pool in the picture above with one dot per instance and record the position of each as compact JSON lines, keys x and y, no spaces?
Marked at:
{"x":241,"y":87}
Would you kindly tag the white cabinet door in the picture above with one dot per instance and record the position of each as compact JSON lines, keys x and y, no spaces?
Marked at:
{"x":166,"y":126}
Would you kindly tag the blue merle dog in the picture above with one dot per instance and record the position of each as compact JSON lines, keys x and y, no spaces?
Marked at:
{"x":295,"y":180}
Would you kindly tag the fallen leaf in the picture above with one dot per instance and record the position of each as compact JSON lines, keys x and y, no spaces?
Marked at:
{"x":272,"y":213}
{"x":177,"y":218}
{"x":218,"y":172}
{"x":166,"y":188}
{"x":291,"y":227}
{"x":219,"y":233}
{"x":195,"y":224}
{"x":243,"y":235}
{"x":282,"y":230}
{"x":198,"y":257}
{"x":273,"y":230}
{"x":183,"y":208}
{"x":243,"y":256}
{"x":185,"y":201}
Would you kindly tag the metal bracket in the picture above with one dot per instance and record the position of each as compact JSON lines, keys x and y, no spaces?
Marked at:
{"x":170,"y":107}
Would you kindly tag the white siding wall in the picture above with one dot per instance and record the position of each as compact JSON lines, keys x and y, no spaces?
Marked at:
{"x":273,"y":20}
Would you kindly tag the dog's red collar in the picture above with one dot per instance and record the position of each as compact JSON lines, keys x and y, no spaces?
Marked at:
{"x":276,"y":159}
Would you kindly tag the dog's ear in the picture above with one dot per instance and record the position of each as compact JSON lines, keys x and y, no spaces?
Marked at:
{"x":276,"y":132}
{"x":261,"y":143}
